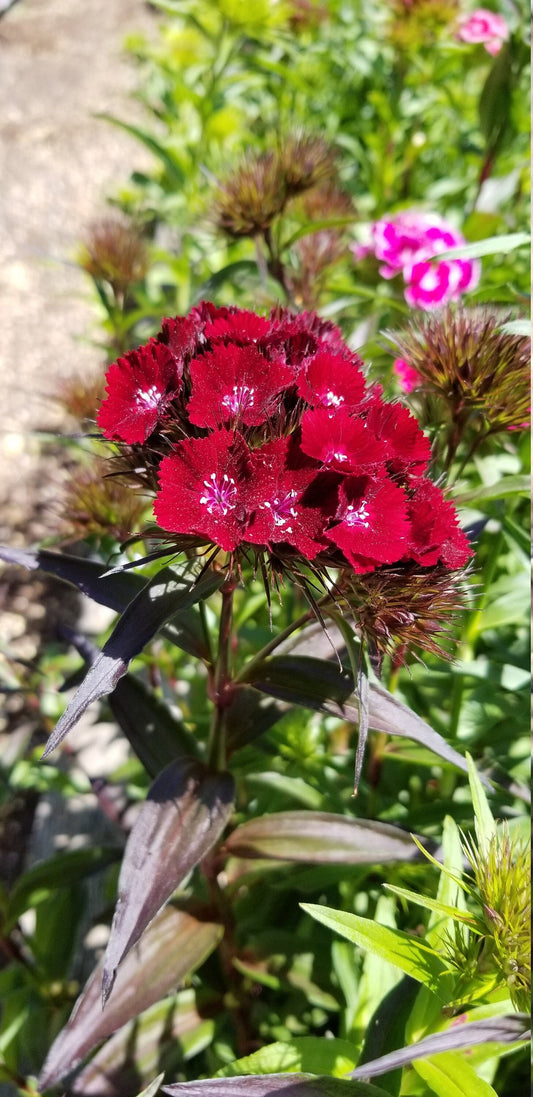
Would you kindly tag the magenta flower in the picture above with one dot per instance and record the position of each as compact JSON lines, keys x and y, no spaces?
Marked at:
{"x":140,"y":387}
{"x":408,"y":377}
{"x":260,"y":435}
{"x":485,"y":27}
{"x":405,"y":243}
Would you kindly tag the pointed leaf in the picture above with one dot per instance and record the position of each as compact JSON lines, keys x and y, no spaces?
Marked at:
{"x":410,"y":954}
{"x":166,"y":156}
{"x":308,"y":1054}
{"x":113,"y":589}
{"x":62,"y":870}
{"x":155,"y":735}
{"x":455,"y":913}
{"x":173,"y":946}
{"x":153,"y":1088}
{"x":162,"y":1038}
{"x":321,"y":686}
{"x":484,"y":819}
{"x":160,"y":599}
{"x":182,"y":817}
{"x":500,"y":1030}
{"x":321,"y":838}
{"x":273,"y":1085}
{"x":452,"y":1076}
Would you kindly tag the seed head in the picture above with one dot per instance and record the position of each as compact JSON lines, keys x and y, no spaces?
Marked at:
{"x":114,"y":252}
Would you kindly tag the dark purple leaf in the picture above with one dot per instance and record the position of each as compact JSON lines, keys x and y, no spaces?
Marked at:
{"x":158,"y":1040}
{"x":173,"y":946}
{"x":155,"y":735}
{"x":498,"y":1030}
{"x":160,"y":599}
{"x":272,"y":1085}
{"x":115,"y":590}
{"x":324,"y":687}
{"x":321,"y":838}
{"x":182,"y":817}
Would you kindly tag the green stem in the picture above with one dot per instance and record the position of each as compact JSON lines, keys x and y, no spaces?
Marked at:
{"x":274,"y":643}
{"x":221,"y":680}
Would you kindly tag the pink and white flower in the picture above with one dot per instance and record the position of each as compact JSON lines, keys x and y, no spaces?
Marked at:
{"x":484,"y":27}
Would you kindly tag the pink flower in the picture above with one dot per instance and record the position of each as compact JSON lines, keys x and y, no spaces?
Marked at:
{"x":485,"y":27}
{"x":408,"y":377}
{"x":406,"y":242}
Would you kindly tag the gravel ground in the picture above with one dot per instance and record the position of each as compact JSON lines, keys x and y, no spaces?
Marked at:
{"x":61,"y":62}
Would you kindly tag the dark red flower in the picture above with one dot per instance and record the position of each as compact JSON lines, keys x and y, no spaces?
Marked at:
{"x":409,"y":448}
{"x":276,"y":495}
{"x":332,"y":381}
{"x":234,"y":384}
{"x":341,"y":442}
{"x":201,"y":487}
{"x":139,"y":386}
{"x":373,"y":526}
{"x":237,"y":326}
{"x":435,"y":532}
{"x":182,"y":334}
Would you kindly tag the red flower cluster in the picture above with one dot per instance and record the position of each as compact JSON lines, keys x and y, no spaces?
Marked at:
{"x":265,"y":434}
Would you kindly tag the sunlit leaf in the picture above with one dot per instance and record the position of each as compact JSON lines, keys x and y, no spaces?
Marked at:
{"x":174,"y":945}
{"x":321,"y":838}
{"x":410,"y":954}
{"x":182,"y":817}
{"x":270,"y":1085}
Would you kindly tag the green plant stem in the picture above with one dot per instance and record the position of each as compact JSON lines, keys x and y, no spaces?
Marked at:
{"x":221,"y":680}
{"x":274,"y":643}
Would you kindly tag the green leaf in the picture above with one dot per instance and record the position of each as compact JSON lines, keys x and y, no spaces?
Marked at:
{"x":318,"y":837}
{"x":517,"y":327}
{"x":310,"y":1054}
{"x":174,"y":945}
{"x":508,"y":485}
{"x":428,"y":903}
{"x":62,"y":870}
{"x":163,"y":154}
{"x":152,"y":1089}
{"x":484,"y":819}
{"x":495,"y":100}
{"x":452,"y":1076}
{"x":182,"y":817}
{"x":493,"y":245}
{"x":409,"y":954}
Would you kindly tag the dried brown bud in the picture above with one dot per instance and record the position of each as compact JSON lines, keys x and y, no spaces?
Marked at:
{"x":114,"y":252}
{"x":247,"y":203}
{"x":305,"y":161}
{"x":80,"y":396}
{"x":99,"y":505}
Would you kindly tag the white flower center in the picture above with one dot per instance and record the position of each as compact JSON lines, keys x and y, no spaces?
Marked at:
{"x":282,"y":509}
{"x":149,"y":397}
{"x":332,"y":400}
{"x":239,"y":400}
{"x":356,"y":516}
{"x":220,"y":495}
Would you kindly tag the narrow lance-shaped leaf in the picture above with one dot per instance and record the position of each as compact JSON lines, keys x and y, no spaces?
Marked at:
{"x":182,"y":817}
{"x":500,"y":1030}
{"x":113,"y":589}
{"x":411,"y":955}
{"x":173,"y":946}
{"x":158,"y":600}
{"x":319,"y":837}
{"x":321,"y":686}
{"x":272,"y":1085}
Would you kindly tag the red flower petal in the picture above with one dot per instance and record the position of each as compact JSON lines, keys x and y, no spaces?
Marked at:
{"x":409,"y":448}
{"x":341,"y":442}
{"x":332,"y":381}
{"x":234,"y":384}
{"x":139,"y":388}
{"x":275,"y":495}
{"x":237,"y":326}
{"x":373,"y":527}
{"x":182,"y":335}
{"x":435,"y":531}
{"x":201,"y":489}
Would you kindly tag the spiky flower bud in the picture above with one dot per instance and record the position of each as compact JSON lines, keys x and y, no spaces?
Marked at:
{"x":248,"y":201}
{"x":96,"y":505}
{"x":114,"y":252}
{"x":479,"y":372}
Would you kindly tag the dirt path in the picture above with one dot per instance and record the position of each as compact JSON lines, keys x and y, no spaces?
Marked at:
{"x":61,"y":62}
